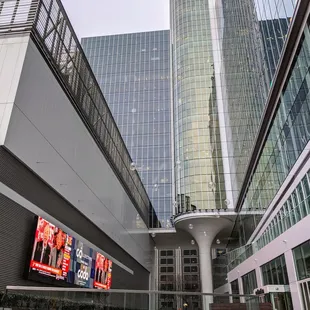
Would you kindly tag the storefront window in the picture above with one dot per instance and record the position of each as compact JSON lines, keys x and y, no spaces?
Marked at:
{"x":275,"y":272}
{"x":302,"y":260}
{"x":249,"y":282}
{"x":235,"y":290}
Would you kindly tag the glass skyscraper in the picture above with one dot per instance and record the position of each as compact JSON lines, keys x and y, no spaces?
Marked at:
{"x":224,"y":56}
{"x":133,"y":71}
{"x":199,"y":167}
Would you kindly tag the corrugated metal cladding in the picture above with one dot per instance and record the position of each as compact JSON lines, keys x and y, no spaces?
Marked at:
{"x":16,"y":225}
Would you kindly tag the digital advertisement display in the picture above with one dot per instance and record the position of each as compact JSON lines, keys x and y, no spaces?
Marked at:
{"x":103,"y":272}
{"x":83,"y":261}
{"x":51,"y":252}
{"x":61,"y":259}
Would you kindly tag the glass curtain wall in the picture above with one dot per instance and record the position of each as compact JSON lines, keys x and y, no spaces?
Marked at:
{"x":293,"y":210}
{"x":243,"y":82}
{"x":224,"y":58}
{"x":199,"y":168}
{"x":287,"y":138}
{"x":133,"y":71}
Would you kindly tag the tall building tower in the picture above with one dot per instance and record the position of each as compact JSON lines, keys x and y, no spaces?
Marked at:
{"x":220,"y":87}
{"x":200,"y":180}
{"x":220,"y":80}
{"x":133,"y":71}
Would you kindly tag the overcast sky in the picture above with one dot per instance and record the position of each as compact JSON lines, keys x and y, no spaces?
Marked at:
{"x":103,"y":17}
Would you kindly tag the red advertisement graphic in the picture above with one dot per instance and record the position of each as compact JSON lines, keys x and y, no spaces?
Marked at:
{"x":103,"y":274}
{"x":45,"y":268}
{"x":67,"y":256}
{"x":52,"y":250}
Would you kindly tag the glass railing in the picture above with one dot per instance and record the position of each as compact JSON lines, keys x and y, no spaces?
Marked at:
{"x":88,"y":299}
{"x":239,"y":255}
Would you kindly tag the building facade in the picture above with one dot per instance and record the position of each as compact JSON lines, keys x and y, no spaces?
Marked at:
{"x":133,"y":71}
{"x":241,"y":123}
{"x":198,"y":149}
{"x":275,"y":252}
{"x":64,"y":167}
{"x":224,"y":58}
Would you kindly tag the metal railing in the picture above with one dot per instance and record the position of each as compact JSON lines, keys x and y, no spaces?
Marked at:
{"x":17,"y":15}
{"x":74,"y":298}
{"x":51,"y":30}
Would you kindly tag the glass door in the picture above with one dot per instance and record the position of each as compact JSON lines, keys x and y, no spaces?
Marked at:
{"x":282,"y":301}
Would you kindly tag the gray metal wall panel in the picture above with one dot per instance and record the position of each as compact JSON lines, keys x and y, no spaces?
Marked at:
{"x":16,"y":224}
{"x":20,"y":179}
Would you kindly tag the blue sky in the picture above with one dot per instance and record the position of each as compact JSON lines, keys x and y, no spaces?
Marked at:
{"x":103,"y":17}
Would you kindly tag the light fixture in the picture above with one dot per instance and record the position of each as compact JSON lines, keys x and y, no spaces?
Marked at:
{"x":153,"y":235}
{"x":190,"y":226}
{"x":192,"y":242}
{"x":132,"y":166}
{"x":218,"y":241}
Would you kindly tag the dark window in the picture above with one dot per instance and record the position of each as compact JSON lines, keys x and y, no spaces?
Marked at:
{"x":192,"y":260}
{"x":189,"y":252}
{"x":191,"y":278}
{"x":302,"y":260}
{"x":190,"y":269}
{"x":166,"y":252}
{"x":235,"y":290}
{"x":168,"y":261}
{"x":275,"y":272}
{"x":249,"y":282}
{"x":166,"y":287}
{"x":191,"y":287}
{"x":167,"y":278}
{"x":166,"y":269}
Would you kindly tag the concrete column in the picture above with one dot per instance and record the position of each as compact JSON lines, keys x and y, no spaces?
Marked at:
{"x":241,"y":290}
{"x":292,"y":279}
{"x":204,"y":229}
{"x":205,"y":269}
{"x":259,"y":277}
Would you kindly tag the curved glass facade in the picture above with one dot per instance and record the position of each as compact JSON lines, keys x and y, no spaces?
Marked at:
{"x":224,"y":57}
{"x":246,"y":83}
{"x":199,"y":168}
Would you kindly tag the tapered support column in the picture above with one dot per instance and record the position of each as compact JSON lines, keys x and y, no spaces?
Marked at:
{"x":204,"y":229}
{"x":206,"y":270}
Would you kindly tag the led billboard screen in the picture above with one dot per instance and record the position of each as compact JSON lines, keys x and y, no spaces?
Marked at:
{"x":103,"y":272}
{"x":60,"y":259}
